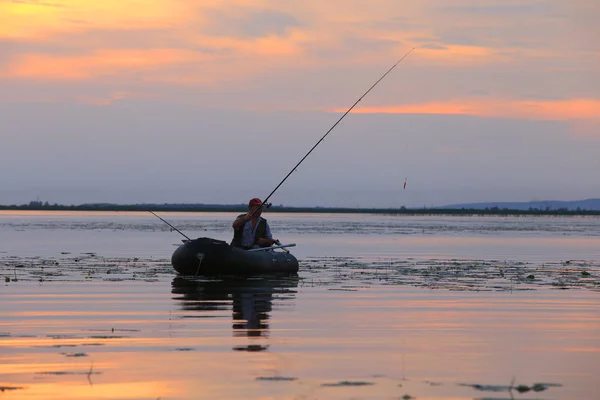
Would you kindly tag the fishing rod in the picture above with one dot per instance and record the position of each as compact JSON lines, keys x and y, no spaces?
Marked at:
{"x":264,"y":202}
{"x":331,"y":129}
{"x":172,"y":227}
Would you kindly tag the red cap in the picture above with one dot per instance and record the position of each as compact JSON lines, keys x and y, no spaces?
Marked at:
{"x":255,"y":201}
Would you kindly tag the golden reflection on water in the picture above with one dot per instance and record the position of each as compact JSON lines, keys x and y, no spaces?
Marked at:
{"x":286,"y":338}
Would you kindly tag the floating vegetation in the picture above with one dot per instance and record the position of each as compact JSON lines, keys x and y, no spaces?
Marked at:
{"x":61,"y":336}
{"x":536,"y":387}
{"x":58,"y":346}
{"x":5,"y":388}
{"x":338,"y":273}
{"x":74,"y":354}
{"x":453,"y":274}
{"x":348,"y":383}
{"x":522,"y":388}
{"x":487,"y":388}
{"x":88,"y":373}
{"x":107,"y":337}
{"x":276,"y":378}
{"x":251,"y":348}
{"x":85,"y":267}
{"x":56,"y":373}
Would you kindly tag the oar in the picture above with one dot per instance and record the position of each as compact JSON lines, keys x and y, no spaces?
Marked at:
{"x":277,"y":242}
{"x":280,"y":246}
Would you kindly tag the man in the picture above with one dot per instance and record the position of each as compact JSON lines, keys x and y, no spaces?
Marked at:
{"x":250,"y":230}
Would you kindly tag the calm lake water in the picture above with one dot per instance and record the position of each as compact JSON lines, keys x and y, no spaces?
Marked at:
{"x":384,"y":307}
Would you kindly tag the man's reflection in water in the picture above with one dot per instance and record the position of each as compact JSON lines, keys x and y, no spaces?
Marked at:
{"x":250,"y":299}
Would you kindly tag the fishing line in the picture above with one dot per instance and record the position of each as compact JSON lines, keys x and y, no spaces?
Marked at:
{"x":334,"y":125}
{"x":264,"y":202}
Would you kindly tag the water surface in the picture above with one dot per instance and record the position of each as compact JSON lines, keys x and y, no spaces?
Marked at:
{"x":383,"y":308}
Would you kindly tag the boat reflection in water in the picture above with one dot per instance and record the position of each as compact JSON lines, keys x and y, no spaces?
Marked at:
{"x":249,"y":299}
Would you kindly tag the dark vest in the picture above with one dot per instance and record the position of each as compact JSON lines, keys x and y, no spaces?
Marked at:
{"x":261,"y":230}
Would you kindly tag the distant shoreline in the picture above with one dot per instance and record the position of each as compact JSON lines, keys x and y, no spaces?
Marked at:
{"x":285,"y":209}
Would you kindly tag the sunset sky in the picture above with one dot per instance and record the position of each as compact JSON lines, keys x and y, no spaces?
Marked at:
{"x":135,"y":101}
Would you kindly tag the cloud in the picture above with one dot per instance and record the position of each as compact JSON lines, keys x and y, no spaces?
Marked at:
{"x":113,"y":97}
{"x":563,"y":28}
{"x":12,"y":48}
{"x":99,"y":63}
{"x":198,"y":59}
{"x":247,"y":23}
{"x":353,"y":49}
{"x":296,"y":55}
{"x":490,"y":8}
{"x":558,"y":110}
{"x":39,"y":3}
{"x":457,"y":51}
{"x":392,"y":23}
{"x":433,"y":46}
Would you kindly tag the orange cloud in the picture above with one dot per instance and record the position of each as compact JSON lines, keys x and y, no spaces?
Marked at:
{"x":457,"y":53}
{"x":277,"y":45}
{"x":104,"y":62}
{"x":559,"y":110}
{"x":112,"y":98}
{"x":267,"y":45}
{"x":168,"y":65}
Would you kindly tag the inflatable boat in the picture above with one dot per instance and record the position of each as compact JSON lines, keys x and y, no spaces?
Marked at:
{"x":206,"y":256}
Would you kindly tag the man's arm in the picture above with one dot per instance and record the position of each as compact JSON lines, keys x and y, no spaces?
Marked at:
{"x":240,"y":221}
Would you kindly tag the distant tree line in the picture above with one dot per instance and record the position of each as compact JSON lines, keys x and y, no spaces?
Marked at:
{"x":39,"y":205}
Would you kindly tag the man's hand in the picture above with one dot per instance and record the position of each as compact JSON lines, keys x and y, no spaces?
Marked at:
{"x":241,"y":220}
{"x":264,"y":242}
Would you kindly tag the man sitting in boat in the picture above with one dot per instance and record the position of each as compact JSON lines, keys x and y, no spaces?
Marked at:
{"x":250,"y":230}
